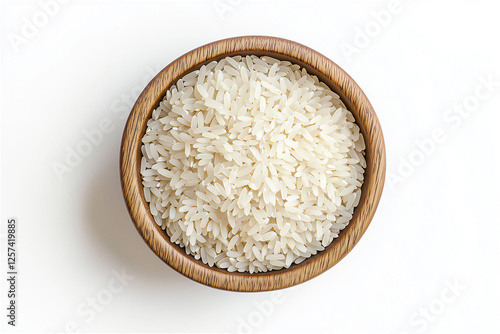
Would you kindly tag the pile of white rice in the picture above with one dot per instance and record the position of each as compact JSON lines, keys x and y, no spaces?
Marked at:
{"x":252,"y":164}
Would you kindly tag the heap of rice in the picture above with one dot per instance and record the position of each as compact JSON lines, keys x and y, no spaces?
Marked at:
{"x":252,"y":164}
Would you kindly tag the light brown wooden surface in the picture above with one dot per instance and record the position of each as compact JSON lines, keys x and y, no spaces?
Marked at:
{"x":316,"y":64}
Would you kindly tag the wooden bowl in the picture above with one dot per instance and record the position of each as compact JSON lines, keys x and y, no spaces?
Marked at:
{"x":315,"y":63}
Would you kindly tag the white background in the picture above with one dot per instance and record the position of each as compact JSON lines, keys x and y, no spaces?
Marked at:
{"x":437,"y":224}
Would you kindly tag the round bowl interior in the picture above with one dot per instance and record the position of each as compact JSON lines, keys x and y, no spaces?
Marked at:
{"x":316,"y":64}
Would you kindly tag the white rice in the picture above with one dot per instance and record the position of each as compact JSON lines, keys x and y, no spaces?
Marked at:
{"x":251,"y":164}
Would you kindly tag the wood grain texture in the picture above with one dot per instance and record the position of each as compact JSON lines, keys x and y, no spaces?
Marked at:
{"x":315,"y":63}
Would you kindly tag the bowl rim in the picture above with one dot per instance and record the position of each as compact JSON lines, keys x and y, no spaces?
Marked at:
{"x":315,"y":63}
